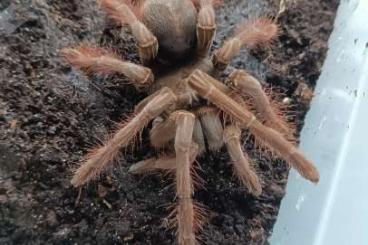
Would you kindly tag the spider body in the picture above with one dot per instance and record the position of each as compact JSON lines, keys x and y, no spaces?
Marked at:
{"x":186,"y":101}
{"x":174,"y":79}
{"x":174,"y":28}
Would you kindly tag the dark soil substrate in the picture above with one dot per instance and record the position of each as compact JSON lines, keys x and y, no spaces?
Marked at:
{"x":50,"y":115}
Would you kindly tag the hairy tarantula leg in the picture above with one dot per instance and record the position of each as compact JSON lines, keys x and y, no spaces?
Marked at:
{"x":206,"y":27}
{"x":163,"y":131}
{"x":198,"y":136}
{"x":182,"y":100}
{"x":250,"y":34}
{"x":243,"y":82}
{"x":184,"y":183}
{"x":145,"y":101}
{"x":98,"y":60}
{"x":241,"y":162}
{"x":212,"y":127}
{"x":201,"y":83}
{"x":166,"y":163}
{"x":100,"y":158}
{"x":122,"y":12}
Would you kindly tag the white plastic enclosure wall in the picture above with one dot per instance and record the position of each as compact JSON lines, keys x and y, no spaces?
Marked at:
{"x":335,"y":135}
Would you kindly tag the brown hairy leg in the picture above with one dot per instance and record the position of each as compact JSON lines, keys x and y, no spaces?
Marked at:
{"x":250,"y":34}
{"x":145,"y":101}
{"x":101,"y":157}
{"x":212,"y":127}
{"x":198,"y":136}
{"x":206,"y":26}
{"x":201,"y":83}
{"x":124,"y":12}
{"x":184,"y":184}
{"x":163,"y":131}
{"x":245,"y":84}
{"x":98,"y":60}
{"x":164,"y":162}
{"x":241,"y":162}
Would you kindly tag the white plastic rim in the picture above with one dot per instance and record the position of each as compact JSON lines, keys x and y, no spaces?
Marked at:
{"x":334,"y":137}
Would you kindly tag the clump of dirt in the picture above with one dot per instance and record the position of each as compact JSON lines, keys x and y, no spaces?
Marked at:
{"x":50,"y":115}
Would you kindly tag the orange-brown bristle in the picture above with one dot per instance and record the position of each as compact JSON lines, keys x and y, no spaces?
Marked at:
{"x":200,"y":212}
{"x":123,"y":11}
{"x":198,"y":181}
{"x":282,"y":111}
{"x":86,"y":58}
{"x":137,"y":139}
{"x":242,"y":100}
{"x":136,"y":6}
{"x":100,"y":158}
{"x":247,"y":177}
{"x":260,"y":31}
{"x":286,"y":151}
{"x":200,"y":215}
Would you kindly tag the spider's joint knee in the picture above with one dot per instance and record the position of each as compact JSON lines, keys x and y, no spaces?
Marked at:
{"x":185,"y":199}
{"x":209,"y":92}
{"x":209,"y":28}
{"x":231,"y":133}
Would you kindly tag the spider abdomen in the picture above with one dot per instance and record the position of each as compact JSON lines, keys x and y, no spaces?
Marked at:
{"x":174,"y":24}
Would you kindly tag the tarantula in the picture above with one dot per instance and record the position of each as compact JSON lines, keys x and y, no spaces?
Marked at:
{"x":186,"y":98}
